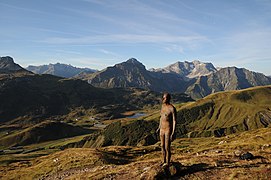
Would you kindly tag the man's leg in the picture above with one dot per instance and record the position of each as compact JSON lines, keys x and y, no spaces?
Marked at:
{"x":167,"y":148}
{"x":162,"y":138}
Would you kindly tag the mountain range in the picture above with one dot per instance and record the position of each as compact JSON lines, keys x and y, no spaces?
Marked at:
{"x":58,"y":69}
{"x":196,"y":78}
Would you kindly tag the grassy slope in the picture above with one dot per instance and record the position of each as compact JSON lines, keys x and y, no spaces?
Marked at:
{"x":227,"y":112}
{"x":217,"y":115}
{"x":205,"y":158}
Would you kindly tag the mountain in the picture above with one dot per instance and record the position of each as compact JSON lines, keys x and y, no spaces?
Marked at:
{"x":229,"y":78}
{"x":188,"y":69}
{"x":8,"y":66}
{"x":194,"y":78}
{"x":132,"y":73}
{"x":9,"y":69}
{"x":62,"y":70}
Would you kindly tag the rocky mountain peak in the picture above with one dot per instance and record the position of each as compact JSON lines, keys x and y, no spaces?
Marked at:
{"x":188,"y":69}
{"x":7,"y":64}
{"x":131,"y":63}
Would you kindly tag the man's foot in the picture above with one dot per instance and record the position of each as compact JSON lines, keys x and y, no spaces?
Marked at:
{"x":165,"y":165}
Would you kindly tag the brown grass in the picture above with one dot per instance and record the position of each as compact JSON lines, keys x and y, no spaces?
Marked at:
{"x":201,"y":158}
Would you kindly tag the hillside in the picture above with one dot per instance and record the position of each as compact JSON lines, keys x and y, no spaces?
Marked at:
{"x":218,"y":115}
{"x":228,"y":112}
{"x":44,"y":131}
{"x":58,"y":69}
{"x":196,"y":158}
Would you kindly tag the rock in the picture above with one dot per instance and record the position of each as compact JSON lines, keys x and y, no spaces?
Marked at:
{"x":246,"y":156}
{"x":56,"y":159}
{"x":222,"y":142}
{"x":266,"y":146}
{"x":238,"y":153}
{"x":158,"y":171}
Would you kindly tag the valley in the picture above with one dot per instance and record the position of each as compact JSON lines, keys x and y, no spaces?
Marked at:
{"x":56,"y":128}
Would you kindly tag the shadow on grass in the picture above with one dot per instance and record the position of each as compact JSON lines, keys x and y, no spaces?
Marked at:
{"x":124,"y":155}
{"x":186,"y":170}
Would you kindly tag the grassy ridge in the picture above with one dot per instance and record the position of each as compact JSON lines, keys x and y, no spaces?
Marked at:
{"x":227,"y":112}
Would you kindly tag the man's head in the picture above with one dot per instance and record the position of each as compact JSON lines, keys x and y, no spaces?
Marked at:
{"x":166,"y":98}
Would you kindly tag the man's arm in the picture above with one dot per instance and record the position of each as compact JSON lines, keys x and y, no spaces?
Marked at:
{"x":174,"y":116}
{"x":159,"y":125}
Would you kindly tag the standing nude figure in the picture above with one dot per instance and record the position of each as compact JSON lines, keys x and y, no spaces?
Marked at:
{"x":167,"y":127}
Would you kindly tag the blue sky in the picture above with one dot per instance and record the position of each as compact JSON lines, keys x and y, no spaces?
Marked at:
{"x":101,"y":33}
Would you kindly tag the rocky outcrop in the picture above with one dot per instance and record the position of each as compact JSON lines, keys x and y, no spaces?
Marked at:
{"x":7,"y":65}
{"x":188,"y":70}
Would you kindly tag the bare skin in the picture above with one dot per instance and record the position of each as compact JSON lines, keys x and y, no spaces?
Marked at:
{"x":167,"y":127}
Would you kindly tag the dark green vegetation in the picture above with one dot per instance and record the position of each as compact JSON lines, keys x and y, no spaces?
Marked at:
{"x":136,"y":133}
{"x":44,"y":131}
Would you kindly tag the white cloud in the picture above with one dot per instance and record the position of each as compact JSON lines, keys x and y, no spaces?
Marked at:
{"x":106,"y":52}
{"x":128,"y":38}
{"x":174,"y":48}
